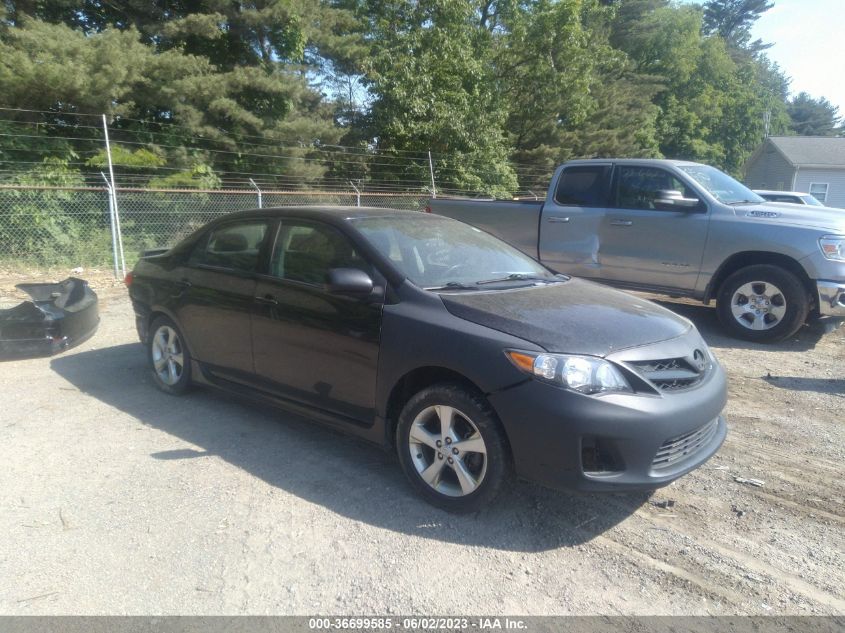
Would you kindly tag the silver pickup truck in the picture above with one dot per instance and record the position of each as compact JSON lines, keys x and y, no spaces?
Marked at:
{"x":680,"y":229}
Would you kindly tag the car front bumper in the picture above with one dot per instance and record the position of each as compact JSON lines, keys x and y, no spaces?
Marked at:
{"x":831,"y":298}
{"x":567,"y":440}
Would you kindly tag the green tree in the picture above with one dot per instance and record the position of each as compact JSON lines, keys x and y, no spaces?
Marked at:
{"x":430,"y":73}
{"x":813,"y":117}
{"x":733,"y":19}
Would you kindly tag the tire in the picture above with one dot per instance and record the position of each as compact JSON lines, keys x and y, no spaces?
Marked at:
{"x":170,"y":361}
{"x":762,"y":303}
{"x":476,"y":462}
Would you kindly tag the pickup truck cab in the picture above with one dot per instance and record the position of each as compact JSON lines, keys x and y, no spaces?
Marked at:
{"x":682,"y":229}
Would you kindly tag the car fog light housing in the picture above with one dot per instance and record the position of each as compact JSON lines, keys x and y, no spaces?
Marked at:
{"x":584,"y":374}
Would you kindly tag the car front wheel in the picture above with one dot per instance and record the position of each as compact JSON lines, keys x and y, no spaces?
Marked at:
{"x":452,"y":448}
{"x":170,"y":361}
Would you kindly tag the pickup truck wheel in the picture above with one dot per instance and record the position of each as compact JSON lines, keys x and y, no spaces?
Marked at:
{"x":452,"y":448}
{"x":170,"y":361}
{"x":762,"y":303}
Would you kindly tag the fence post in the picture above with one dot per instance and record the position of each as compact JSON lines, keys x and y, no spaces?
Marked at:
{"x":112,"y":225}
{"x":119,"y":245}
{"x":357,"y":194}
{"x":431,"y":171}
{"x":258,"y":189}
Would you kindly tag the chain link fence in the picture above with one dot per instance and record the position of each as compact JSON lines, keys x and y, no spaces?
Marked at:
{"x":57,"y":226}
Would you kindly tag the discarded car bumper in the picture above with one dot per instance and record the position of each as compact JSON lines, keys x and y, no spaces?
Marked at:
{"x":58,"y":316}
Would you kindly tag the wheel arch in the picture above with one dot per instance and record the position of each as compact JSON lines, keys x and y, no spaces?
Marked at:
{"x":161,"y":311}
{"x":743,"y":259}
{"x":415,"y":381}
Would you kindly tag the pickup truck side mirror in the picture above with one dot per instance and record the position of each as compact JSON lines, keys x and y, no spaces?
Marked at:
{"x":674,"y":199}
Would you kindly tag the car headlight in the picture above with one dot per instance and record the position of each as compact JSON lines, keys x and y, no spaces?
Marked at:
{"x":833,"y":247}
{"x":584,"y":374}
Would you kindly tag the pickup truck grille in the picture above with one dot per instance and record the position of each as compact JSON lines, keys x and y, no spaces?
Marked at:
{"x":674,"y":374}
{"x":677,"y":448}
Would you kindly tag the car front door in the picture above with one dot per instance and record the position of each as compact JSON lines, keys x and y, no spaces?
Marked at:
{"x":216,"y":289}
{"x":570,"y":221}
{"x":310,"y":345}
{"x":646,"y":242}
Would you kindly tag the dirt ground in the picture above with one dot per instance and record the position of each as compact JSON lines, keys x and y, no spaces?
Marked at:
{"x":118,"y":499}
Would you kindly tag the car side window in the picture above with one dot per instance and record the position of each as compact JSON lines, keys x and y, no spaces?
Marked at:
{"x":641,"y":187}
{"x":233,"y":246}
{"x":306,"y":251}
{"x":582,"y":186}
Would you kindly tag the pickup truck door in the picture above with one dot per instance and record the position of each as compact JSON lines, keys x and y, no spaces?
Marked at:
{"x":571,"y":217}
{"x":644,"y":242}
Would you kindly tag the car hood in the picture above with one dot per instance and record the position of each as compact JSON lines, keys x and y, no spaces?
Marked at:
{"x":573,"y":317}
{"x":824,"y":218}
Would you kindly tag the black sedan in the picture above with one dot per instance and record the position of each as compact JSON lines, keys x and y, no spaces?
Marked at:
{"x":433,"y":337}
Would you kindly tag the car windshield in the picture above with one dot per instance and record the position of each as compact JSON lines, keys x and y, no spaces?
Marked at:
{"x":811,"y":201}
{"x":722,"y":186}
{"x":440,"y":253}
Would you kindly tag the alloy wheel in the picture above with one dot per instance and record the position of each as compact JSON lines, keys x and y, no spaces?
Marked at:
{"x":168,"y":359}
{"x":758,"y":305}
{"x":448,"y":451}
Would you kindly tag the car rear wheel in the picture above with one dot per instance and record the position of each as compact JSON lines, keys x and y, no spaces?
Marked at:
{"x":170,"y":361}
{"x":452,"y":448}
{"x":762,"y":303}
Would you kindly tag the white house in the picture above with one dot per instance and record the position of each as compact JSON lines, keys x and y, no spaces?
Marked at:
{"x":810,"y":164}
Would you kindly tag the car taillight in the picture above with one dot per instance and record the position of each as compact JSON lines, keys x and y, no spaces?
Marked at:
{"x":128,"y":279}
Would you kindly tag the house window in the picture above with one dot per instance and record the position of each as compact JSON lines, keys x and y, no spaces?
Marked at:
{"x":819,"y":191}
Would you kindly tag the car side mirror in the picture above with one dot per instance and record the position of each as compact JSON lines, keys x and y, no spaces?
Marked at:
{"x":349,"y":281}
{"x":674,"y":199}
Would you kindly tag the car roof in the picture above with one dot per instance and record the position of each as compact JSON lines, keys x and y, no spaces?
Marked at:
{"x":318,"y":212}
{"x":770,"y":192}
{"x":635,"y":161}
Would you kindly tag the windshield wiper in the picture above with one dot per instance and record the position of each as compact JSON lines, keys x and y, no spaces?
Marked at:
{"x":452,"y":285}
{"x":517,"y":277}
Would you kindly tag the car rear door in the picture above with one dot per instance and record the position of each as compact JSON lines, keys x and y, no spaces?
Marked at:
{"x":312,"y":346}
{"x":647,"y":243}
{"x":216,"y":294}
{"x":569,"y":224}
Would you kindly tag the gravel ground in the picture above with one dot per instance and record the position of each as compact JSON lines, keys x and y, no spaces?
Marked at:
{"x":118,"y":499}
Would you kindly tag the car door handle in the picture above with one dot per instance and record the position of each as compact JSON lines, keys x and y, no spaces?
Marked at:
{"x":267,"y":300}
{"x":558,"y":220}
{"x":621,"y":222}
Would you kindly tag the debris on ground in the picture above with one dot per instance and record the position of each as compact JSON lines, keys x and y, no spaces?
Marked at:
{"x":751,"y":482}
{"x":666,"y":503}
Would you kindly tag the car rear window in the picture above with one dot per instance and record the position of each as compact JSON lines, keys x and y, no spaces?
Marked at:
{"x":233,"y":247}
{"x":582,"y":186}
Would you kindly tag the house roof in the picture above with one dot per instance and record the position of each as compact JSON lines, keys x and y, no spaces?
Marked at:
{"x":811,"y":151}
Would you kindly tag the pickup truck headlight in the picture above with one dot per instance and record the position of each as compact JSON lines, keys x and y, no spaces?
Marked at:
{"x":584,"y":374}
{"x":833,"y":247}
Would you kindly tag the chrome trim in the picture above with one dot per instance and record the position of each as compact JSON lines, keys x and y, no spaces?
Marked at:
{"x":831,"y":298}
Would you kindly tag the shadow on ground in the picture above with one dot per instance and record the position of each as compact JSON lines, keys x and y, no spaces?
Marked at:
{"x":834,"y":386}
{"x":708,"y":324}
{"x":343,"y":474}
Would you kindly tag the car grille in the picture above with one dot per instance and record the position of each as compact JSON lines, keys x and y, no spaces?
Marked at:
{"x":677,"y":448}
{"x":674,"y":374}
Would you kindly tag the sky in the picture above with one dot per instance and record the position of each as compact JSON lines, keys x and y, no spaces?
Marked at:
{"x":809,"y":45}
